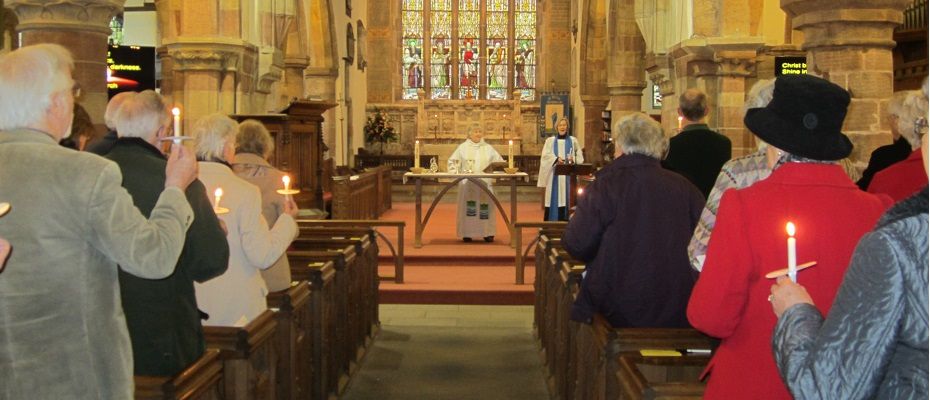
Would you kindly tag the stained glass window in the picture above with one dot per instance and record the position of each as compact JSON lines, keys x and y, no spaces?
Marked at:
{"x":412,"y":58}
{"x":472,"y":49}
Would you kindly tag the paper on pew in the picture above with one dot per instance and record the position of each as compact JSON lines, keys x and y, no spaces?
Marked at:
{"x":659,"y":353}
{"x":242,"y":321}
{"x":315,"y":264}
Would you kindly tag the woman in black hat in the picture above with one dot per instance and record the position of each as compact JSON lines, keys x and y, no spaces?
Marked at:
{"x":807,"y":187}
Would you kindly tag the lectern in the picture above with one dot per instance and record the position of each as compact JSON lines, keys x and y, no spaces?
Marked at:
{"x":572,"y":171}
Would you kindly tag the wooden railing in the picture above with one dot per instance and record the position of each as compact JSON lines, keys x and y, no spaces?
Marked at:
{"x":363,"y":196}
{"x":518,"y":242}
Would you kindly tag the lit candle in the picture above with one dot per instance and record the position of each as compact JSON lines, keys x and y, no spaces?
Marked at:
{"x":510,"y":154}
{"x":680,"y":118}
{"x":792,"y":253}
{"x":416,"y":154}
{"x":287,"y":182}
{"x":177,"y":121}
{"x":217,"y":195}
{"x":580,"y":191}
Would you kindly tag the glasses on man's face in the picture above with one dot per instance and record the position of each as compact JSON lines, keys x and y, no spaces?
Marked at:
{"x":76,"y":90}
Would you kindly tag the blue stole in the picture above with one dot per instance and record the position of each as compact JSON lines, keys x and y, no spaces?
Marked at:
{"x":554,"y":192}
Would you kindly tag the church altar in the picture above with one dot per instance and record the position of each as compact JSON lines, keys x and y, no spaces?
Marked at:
{"x":450,"y":180}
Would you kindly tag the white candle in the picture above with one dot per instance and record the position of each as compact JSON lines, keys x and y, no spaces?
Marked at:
{"x":217,"y":195}
{"x":416,"y":154}
{"x":680,"y":118}
{"x":177,"y":121}
{"x":792,"y":253}
{"x":287,"y":182}
{"x":510,"y":154}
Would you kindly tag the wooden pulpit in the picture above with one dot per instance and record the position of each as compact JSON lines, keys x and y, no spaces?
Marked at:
{"x":572,"y":171}
{"x":298,"y":147}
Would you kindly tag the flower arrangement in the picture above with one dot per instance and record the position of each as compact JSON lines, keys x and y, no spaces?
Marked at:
{"x":378,"y":130}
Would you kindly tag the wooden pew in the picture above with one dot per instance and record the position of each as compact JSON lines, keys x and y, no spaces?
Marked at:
{"x":362,"y":196}
{"x":600,"y":347}
{"x":202,"y":380}
{"x":294,"y":314}
{"x":248,"y":355}
{"x":335,"y":300}
{"x":650,"y":377}
{"x":319,"y":269}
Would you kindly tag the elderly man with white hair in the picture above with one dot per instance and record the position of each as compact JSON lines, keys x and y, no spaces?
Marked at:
{"x":631,"y":227}
{"x":238,"y":296}
{"x":104,"y":144}
{"x":63,"y":333}
{"x":162,"y":315}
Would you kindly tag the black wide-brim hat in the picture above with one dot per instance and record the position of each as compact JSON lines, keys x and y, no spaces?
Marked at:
{"x":804,"y":118}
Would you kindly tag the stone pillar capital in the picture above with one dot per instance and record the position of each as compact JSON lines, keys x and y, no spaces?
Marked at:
{"x":833,"y":23}
{"x":207,"y":55}
{"x":82,"y":15}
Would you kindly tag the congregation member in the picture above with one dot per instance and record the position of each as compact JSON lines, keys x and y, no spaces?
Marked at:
{"x":238,"y":296}
{"x":631,"y":228}
{"x":82,"y":130}
{"x":162,"y":315}
{"x":563,"y":148}
{"x":802,"y":126}
{"x":105,"y":143}
{"x":887,"y":155}
{"x":63,"y":332}
{"x":735,"y":174}
{"x":253,"y":147}
{"x":475,"y":217}
{"x":904,"y":178}
{"x":873,"y":344}
{"x":697,"y":152}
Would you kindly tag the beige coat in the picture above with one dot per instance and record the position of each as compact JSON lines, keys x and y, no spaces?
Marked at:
{"x":238,"y":296}
{"x":258,"y":172}
{"x":62,"y":330}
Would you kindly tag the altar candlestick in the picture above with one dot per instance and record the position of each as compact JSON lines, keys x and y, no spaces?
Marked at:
{"x":510,"y":154}
{"x":217,"y":195}
{"x":792,"y":253}
{"x":177,"y":121}
{"x":416,"y":154}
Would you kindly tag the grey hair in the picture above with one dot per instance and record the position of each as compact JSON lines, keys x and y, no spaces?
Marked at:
{"x":29,"y":77}
{"x":211,"y":133}
{"x":638,"y":133}
{"x":693,"y":104}
{"x":109,"y":116}
{"x":254,"y":138}
{"x":909,"y":106}
{"x":760,"y":95}
{"x":142,"y":115}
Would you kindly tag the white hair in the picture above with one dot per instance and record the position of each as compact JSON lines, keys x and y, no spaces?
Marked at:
{"x":211,"y":133}
{"x":640,"y":134}
{"x":760,"y":95}
{"x":142,"y":116}
{"x":909,"y":106}
{"x":109,"y":116}
{"x":29,"y":77}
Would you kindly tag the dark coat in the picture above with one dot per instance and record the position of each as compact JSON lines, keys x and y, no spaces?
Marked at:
{"x":874,"y":341}
{"x":632,"y":227}
{"x":103,"y":145}
{"x":162,"y":315}
{"x":698,"y":153}
{"x":883,"y":157}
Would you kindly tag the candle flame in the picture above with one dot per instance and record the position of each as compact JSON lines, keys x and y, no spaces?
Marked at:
{"x":790,"y":229}
{"x":218,"y":192}
{"x":176,"y":111}
{"x":680,"y":118}
{"x":286,"y":179}
{"x":511,"y":142}
{"x":580,"y":191}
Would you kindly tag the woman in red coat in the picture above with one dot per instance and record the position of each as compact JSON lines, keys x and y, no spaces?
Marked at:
{"x":730,"y":300}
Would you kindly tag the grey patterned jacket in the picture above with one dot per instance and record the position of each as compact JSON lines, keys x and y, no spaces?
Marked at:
{"x":874,"y":342}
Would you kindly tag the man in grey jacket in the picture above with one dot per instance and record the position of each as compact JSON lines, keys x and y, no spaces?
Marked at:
{"x":63,"y":332}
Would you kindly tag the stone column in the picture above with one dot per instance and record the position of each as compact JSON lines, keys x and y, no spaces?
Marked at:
{"x":625,"y":69}
{"x":850,"y":43}
{"x":593,"y":125}
{"x":80,"y":26}
{"x":661,"y":73}
{"x":294,"y":76}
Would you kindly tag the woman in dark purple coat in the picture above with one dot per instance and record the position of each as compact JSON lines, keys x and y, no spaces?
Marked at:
{"x":632,"y":227}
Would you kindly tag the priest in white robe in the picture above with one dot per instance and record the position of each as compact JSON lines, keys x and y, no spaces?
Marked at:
{"x":476,"y":215}
{"x":560,"y":149}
